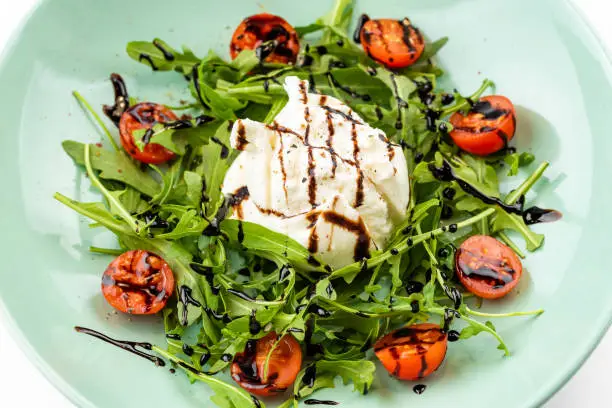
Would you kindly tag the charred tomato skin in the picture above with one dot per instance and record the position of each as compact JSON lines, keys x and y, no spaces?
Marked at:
{"x":394,"y":43}
{"x":260,"y":28}
{"x":283,"y":368}
{"x":414,"y":352}
{"x":487,"y":127}
{"x":486,"y":267}
{"x":138,"y":282}
{"x":144,"y":116}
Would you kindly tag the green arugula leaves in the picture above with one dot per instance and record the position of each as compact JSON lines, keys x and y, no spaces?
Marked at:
{"x":236,"y":280}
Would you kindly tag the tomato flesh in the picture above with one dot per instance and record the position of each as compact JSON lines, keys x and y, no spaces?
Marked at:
{"x":255,"y":30}
{"x":412,"y":352}
{"x":138,"y":282}
{"x":393,"y":43}
{"x":487,"y":267}
{"x":487,"y":128}
{"x":283,"y":367}
{"x":144,"y":116}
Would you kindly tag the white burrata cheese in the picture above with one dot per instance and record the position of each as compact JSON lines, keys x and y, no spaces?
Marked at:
{"x":320,"y":175}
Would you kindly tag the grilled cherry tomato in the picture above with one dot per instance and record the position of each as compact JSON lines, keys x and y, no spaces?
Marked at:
{"x":486,"y":267}
{"x":394,"y":43}
{"x":283,"y":367}
{"x":144,"y":116}
{"x":138,"y":282}
{"x":264,"y":27}
{"x":412,"y":352}
{"x":487,"y":128}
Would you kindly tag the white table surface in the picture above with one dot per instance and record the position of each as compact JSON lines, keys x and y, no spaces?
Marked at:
{"x":21,"y":385}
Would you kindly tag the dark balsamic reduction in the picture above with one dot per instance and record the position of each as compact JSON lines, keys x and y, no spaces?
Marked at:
{"x":122,"y":100}
{"x":310,"y":375}
{"x":240,"y":235}
{"x":453,"y":336}
{"x":241,"y":295}
{"x":364,"y":18}
{"x":449,"y":315}
{"x":186,"y":299}
{"x":532,"y":215}
{"x":350,"y":91}
{"x":129,"y":346}
{"x":168,"y":56}
{"x":414,"y":287}
{"x":284,"y":272}
{"x":147,"y":57}
{"x":225,"y":318}
{"x":188,"y":350}
{"x":419,"y":388}
{"x":318,"y":310}
{"x":313,"y":401}
{"x":447,"y":99}
{"x":224,"y":149}
{"x":254,"y":325}
{"x":204,"y":358}
{"x":256,"y":401}
{"x":178,"y":125}
{"x":195,"y":77}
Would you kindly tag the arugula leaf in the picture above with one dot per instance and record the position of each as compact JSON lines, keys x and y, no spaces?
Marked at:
{"x":258,"y":238}
{"x":516,"y":160}
{"x":226,"y":395}
{"x":504,"y":221}
{"x":216,"y":159}
{"x":151,"y":54}
{"x":113,"y":166}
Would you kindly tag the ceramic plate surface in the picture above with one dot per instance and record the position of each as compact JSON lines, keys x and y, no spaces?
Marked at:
{"x":541,"y":55}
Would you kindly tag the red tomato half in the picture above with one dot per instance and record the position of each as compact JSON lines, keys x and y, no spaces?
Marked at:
{"x":138,"y":282}
{"x":144,"y":116}
{"x":283,"y":367}
{"x":486,"y":267}
{"x":412,"y":352}
{"x":264,"y":27}
{"x":487,"y":128}
{"x":394,"y":43}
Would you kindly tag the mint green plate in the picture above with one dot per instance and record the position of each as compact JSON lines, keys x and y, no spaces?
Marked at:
{"x":541,"y":55}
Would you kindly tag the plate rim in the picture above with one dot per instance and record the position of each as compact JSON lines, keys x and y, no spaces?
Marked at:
{"x":80,"y":400}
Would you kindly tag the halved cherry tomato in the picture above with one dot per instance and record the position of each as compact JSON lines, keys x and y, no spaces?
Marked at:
{"x":487,"y":128}
{"x":394,"y":43}
{"x":412,"y":352}
{"x":486,"y":267}
{"x":260,"y":28}
{"x":144,"y":116}
{"x":138,"y":282}
{"x":283,"y":367}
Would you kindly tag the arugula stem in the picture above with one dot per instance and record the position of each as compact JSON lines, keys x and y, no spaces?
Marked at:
{"x":76,"y":206}
{"x":440,"y":311}
{"x":111,"y":199}
{"x":209,"y":379}
{"x":514,"y":196}
{"x":502,"y":235}
{"x":105,"y":251}
{"x":97,"y":118}
{"x":403,"y":246}
{"x":464,"y":104}
{"x":483,"y":314}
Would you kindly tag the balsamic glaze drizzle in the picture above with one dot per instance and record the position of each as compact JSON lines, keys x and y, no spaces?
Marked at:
{"x":532,"y":215}
{"x":129,"y":346}
{"x":312,"y":401}
{"x":122,"y":100}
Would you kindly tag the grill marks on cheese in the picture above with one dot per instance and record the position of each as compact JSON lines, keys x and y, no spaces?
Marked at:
{"x":333,"y":117}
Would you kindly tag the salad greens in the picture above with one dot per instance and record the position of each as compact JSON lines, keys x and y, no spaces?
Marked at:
{"x":224,"y":281}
